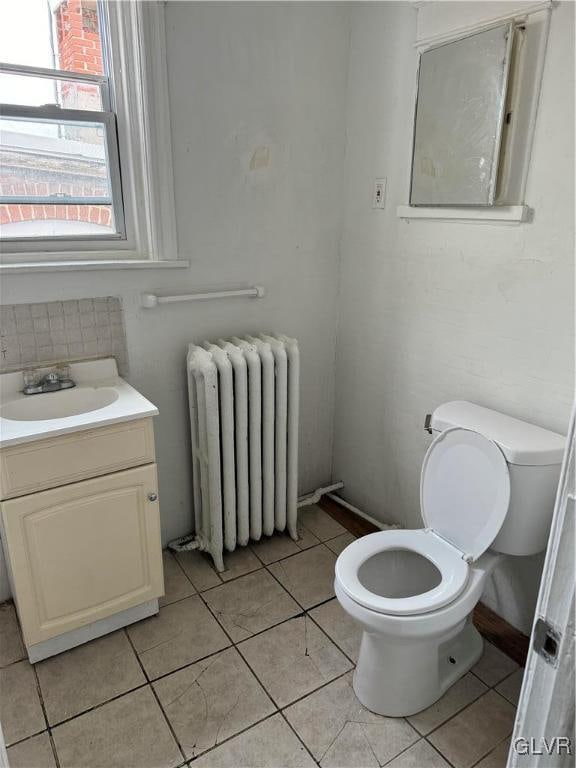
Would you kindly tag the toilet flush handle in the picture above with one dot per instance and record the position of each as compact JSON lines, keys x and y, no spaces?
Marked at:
{"x":428,"y":423}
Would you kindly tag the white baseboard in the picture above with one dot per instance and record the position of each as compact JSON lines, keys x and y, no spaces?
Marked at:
{"x":68,"y":640}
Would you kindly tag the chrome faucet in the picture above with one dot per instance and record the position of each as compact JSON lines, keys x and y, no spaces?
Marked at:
{"x":53,"y":381}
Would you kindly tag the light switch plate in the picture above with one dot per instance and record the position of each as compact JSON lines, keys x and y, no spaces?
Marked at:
{"x":379,"y":194}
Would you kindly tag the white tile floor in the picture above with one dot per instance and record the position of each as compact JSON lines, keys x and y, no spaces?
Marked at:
{"x":252,"y":668}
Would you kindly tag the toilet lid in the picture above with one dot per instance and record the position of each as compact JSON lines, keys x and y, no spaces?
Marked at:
{"x":465,"y":490}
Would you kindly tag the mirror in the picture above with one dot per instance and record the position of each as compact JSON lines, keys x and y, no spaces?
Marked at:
{"x":460,"y":111}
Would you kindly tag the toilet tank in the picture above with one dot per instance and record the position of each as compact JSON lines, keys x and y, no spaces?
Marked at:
{"x":534,"y":457}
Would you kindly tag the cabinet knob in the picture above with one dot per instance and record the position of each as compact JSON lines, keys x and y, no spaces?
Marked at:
{"x":152,"y":496}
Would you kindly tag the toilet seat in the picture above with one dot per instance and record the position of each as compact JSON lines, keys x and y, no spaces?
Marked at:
{"x":465,"y":493}
{"x":465,"y":490}
{"x":447,"y":559}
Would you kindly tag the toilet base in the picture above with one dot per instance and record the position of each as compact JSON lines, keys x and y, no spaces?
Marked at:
{"x":400,"y":676}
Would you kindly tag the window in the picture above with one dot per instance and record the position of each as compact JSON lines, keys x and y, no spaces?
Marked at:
{"x":81,"y":176}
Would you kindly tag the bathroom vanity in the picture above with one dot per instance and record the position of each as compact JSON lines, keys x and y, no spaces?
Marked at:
{"x":80,"y":523}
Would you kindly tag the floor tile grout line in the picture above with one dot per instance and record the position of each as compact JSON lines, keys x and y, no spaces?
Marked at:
{"x":314,"y":690}
{"x":256,"y":555}
{"x":178,"y":600}
{"x":286,"y":589}
{"x":165,"y":716}
{"x":12,"y":663}
{"x":190,"y":760}
{"x":302,"y":551}
{"x":147,"y":681}
{"x":54,"y":750}
{"x":260,"y":683}
{"x":354,"y":663}
{"x":235,"y":645}
{"x":100,"y":704}
{"x":493,"y":685}
{"x":469,"y":704}
{"x":442,"y":755}
{"x":251,"y":573}
{"x":29,"y":738}
{"x":448,"y":719}
{"x":150,"y":680}
{"x":320,"y":541}
{"x":304,"y":608}
{"x":508,"y":677}
{"x":492,"y":749}
{"x":157,"y":700}
{"x":210,"y":565}
{"x":403,"y":751}
{"x":479,"y":678}
{"x":300,"y":739}
{"x":40,"y":695}
{"x":419,"y":737}
{"x":279,"y":708}
{"x":324,"y":632}
{"x":150,"y":684}
{"x":175,"y":559}
{"x":263,"y":564}
{"x":43,"y":707}
{"x":302,"y":611}
{"x":456,"y":712}
{"x":504,"y":698}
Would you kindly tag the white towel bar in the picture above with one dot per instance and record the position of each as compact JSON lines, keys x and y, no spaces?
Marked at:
{"x":150,"y":300}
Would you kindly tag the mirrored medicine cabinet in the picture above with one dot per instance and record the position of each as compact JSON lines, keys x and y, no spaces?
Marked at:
{"x":462,"y":110}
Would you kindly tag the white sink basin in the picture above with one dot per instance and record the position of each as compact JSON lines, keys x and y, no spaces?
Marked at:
{"x":59,"y":405}
{"x":100,"y":397}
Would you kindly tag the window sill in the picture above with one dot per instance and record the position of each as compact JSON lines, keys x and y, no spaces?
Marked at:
{"x":503,"y":214}
{"x":81,"y":266}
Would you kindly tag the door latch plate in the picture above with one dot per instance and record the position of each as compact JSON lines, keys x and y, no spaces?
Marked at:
{"x":547,"y":641}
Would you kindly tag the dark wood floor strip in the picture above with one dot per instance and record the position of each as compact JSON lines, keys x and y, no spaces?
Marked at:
{"x":494,"y":628}
{"x":501,"y":634}
{"x":356,"y":525}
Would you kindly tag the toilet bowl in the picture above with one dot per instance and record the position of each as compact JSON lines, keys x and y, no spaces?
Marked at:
{"x":413,"y":591}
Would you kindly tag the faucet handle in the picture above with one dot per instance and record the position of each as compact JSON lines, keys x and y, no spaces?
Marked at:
{"x":51,"y":378}
{"x":30,"y":378}
{"x":32,"y":384}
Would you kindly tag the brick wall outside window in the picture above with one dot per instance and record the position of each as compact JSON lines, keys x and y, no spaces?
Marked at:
{"x":78,"y":49}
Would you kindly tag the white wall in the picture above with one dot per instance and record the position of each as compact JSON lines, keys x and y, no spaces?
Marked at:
{"x":429,"y":311}
{"x":241,"y":76}
{"x":434,"y":311}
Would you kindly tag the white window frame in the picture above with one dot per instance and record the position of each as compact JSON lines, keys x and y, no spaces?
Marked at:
{"x":59,"y":115}
{"x":134,"y":36}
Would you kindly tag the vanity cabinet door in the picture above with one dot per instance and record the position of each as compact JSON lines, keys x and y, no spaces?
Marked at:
{"x":85,"y":551}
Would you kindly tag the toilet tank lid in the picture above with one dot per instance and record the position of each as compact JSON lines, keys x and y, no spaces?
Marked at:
{"x":520,"y":442}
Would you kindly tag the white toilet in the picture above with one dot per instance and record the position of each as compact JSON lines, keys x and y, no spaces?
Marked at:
{"x":487,"y":487}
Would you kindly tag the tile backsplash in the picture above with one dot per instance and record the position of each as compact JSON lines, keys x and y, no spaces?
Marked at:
{"x":35,"y":334}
